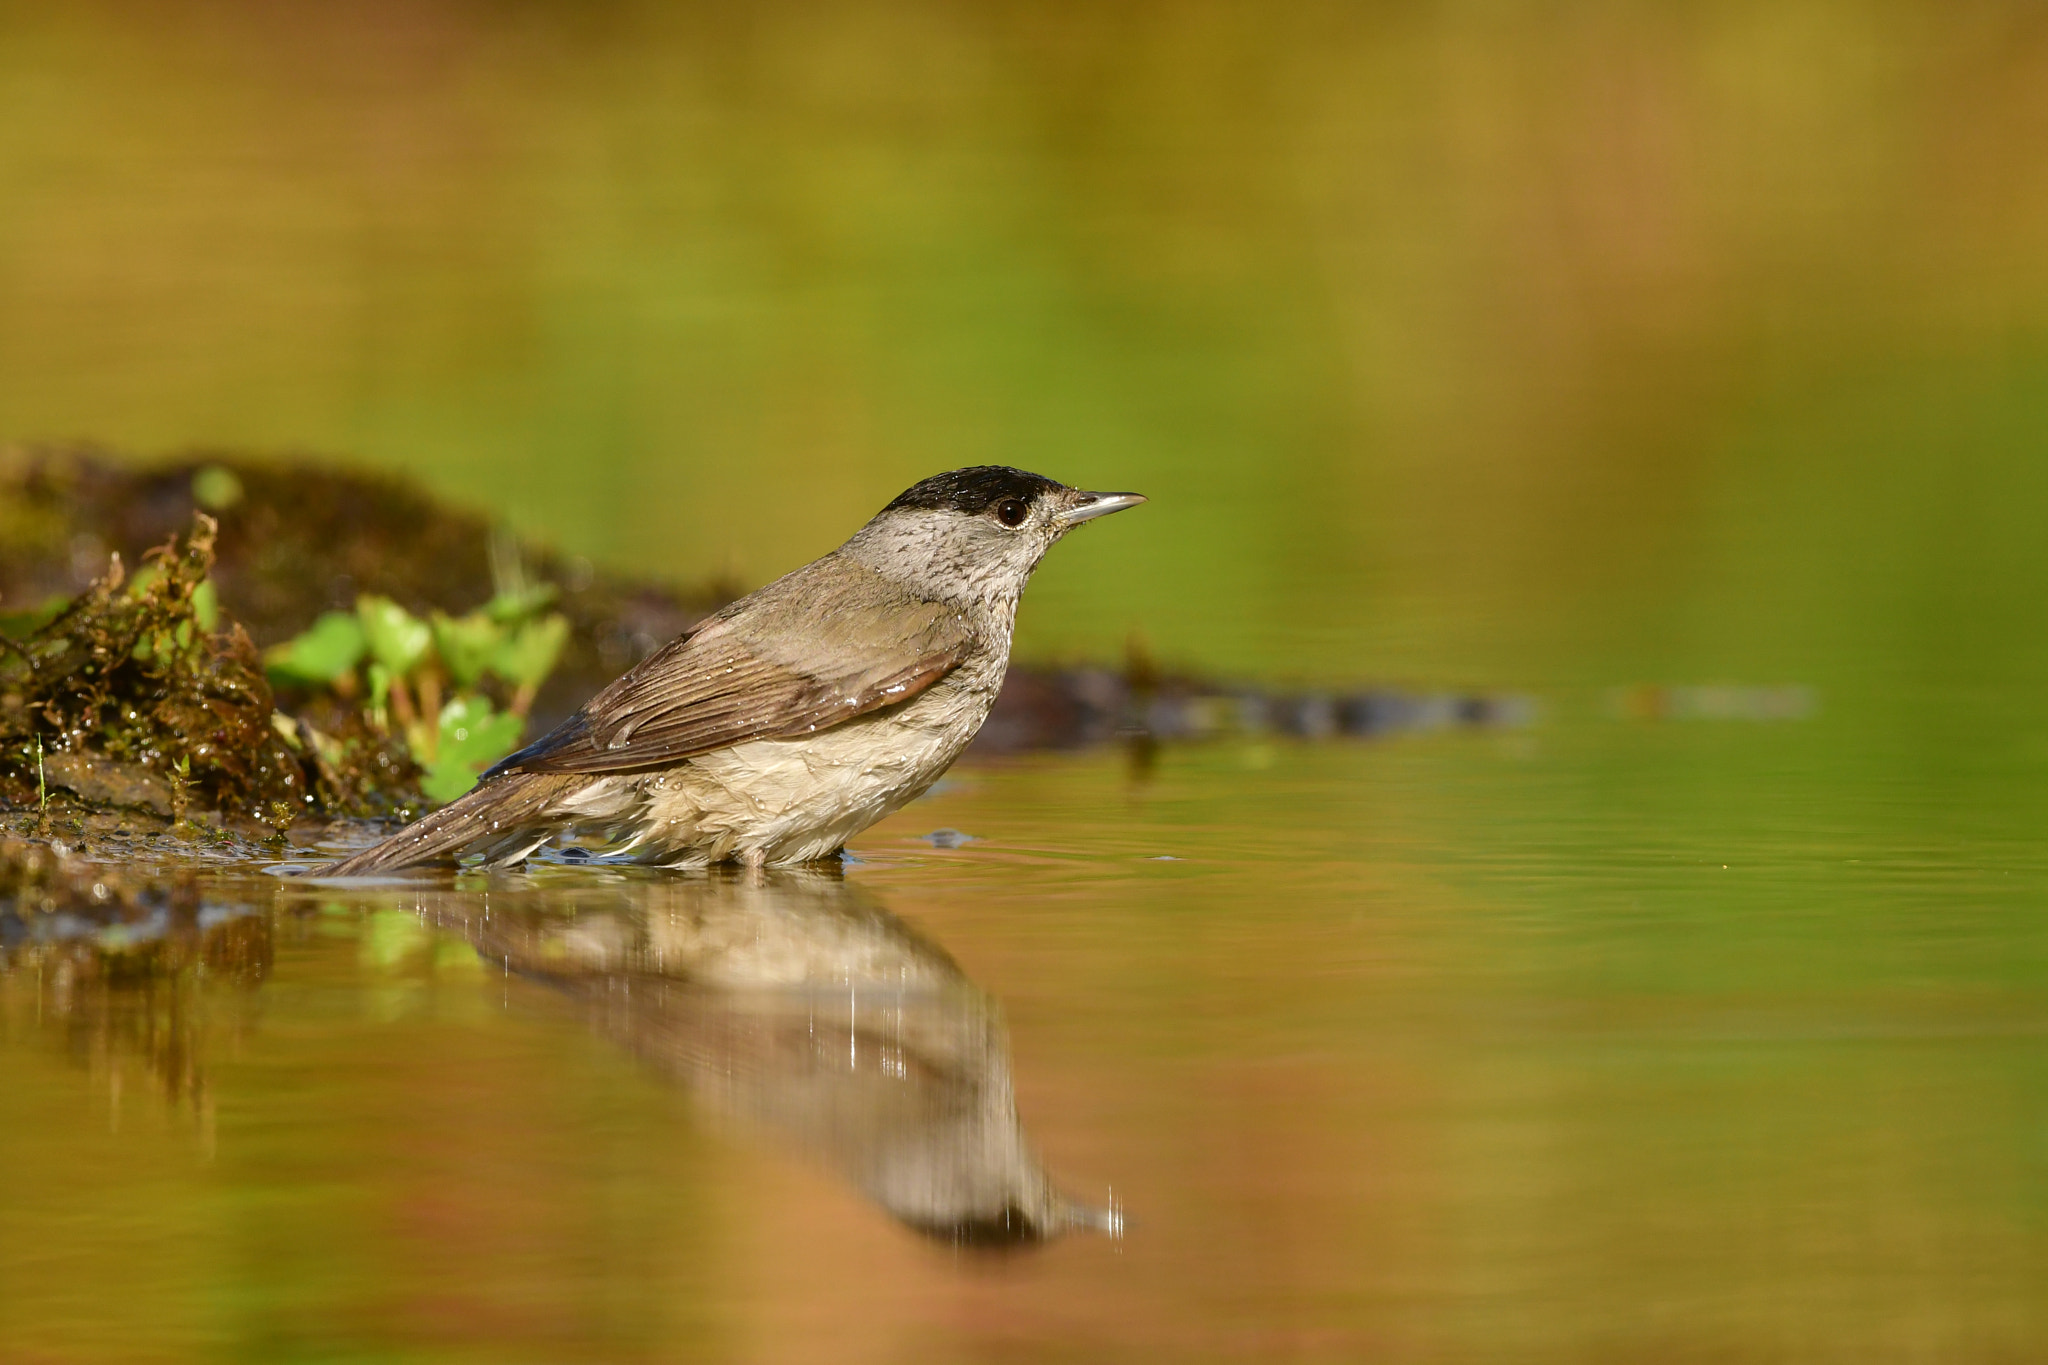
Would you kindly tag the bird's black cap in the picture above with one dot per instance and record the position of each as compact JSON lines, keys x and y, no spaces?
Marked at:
{"x":973,"y":490}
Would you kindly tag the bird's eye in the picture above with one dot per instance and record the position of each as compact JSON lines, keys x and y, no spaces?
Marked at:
{"x":1011,"y":512}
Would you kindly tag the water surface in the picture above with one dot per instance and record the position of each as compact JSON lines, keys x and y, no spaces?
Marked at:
{"x":1456,"y":1047}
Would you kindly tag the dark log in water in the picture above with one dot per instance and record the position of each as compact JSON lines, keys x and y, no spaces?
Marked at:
{"x":1065,"y":708}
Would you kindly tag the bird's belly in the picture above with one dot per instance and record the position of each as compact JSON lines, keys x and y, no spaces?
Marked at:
{"x":792,"y":800}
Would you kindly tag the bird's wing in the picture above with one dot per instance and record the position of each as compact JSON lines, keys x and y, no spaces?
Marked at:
{"x":791,"y":660}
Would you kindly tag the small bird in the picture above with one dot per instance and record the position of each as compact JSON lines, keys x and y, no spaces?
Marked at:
{"x":790,"y":721}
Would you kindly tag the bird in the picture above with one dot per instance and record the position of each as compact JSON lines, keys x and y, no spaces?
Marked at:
{"x":794,"y":718}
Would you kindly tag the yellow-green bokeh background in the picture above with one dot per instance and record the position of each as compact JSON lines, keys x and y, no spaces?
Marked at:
{"x":1485,"y":343}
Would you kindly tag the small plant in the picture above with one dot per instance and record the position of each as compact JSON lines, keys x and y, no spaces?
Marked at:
{"x":144,"y":676}
{"x":455,"y":689}
{"x":180,"y":776}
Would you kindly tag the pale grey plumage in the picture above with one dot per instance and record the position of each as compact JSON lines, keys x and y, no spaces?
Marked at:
{"x":797,"y":716}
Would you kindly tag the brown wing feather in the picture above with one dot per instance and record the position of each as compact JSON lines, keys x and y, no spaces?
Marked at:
{"x":723,"y":685}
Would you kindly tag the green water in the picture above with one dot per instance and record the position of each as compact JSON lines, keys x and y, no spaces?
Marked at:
{"x":1575,"y":350}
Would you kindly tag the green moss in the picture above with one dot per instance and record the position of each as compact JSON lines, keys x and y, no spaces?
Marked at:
{"x":138,"y":671}
{"x":140,"y":693}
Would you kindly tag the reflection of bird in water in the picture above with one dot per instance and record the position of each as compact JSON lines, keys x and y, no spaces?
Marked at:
{"x":790,"y":1002}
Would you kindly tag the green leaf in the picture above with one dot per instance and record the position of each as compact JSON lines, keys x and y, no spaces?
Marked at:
{"x":467,"y":644}
{"x":507,"y":608}
{"x":216,"y":488}
{"x":528,"y":657}
{"x":397,"y":639}
{"x":19,"y":625}
{"x":206,"y":605}
{"x":473,"y":736}
{"x":380,"y":689}
{"x":332,"y":646}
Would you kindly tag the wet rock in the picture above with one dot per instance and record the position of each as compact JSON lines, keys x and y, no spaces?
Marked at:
{"x":106,"y":781}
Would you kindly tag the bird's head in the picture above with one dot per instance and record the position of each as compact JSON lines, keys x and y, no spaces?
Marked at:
{"x":977,"y":533}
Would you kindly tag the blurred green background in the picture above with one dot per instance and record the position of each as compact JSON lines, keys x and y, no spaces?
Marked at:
{"x":1480,"y":343}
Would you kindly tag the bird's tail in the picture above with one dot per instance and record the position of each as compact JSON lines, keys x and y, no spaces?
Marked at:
{"x":502,"y":816}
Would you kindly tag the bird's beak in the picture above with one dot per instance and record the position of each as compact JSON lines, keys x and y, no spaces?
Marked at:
{"x":1093,"y":505}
